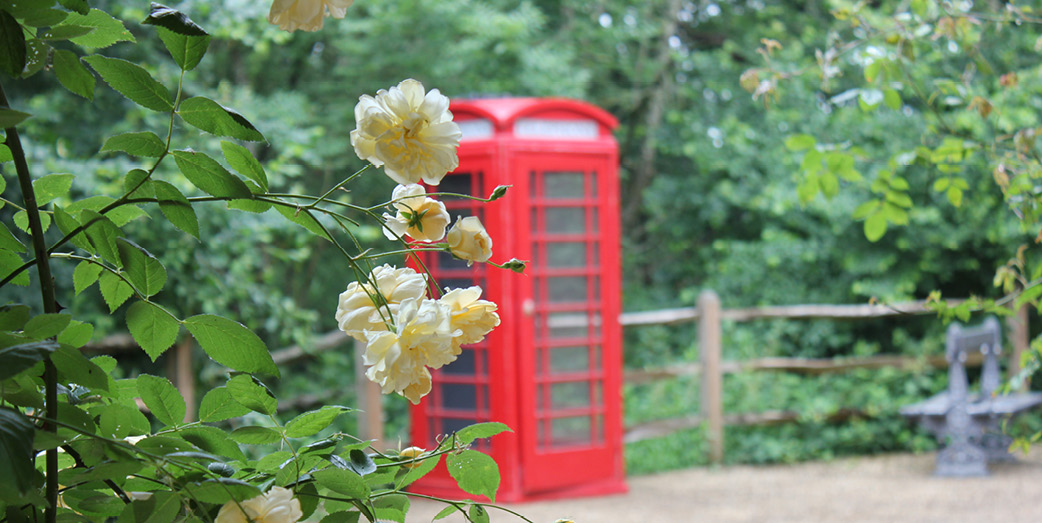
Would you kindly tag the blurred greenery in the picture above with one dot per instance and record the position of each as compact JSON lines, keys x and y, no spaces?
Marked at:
{"x":711,"y":193}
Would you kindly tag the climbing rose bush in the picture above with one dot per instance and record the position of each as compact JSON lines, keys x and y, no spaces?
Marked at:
{"x":473,"y":317}
{"x":372,"y":305}
{"x":418,"y":217}
{"x":408,"y":131}
{"x":306,"y":15}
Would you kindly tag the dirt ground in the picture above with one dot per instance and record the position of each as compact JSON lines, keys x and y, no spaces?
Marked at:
{"x":886,"y":488}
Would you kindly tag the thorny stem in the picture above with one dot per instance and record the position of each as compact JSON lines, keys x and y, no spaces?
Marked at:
{"x":50,"y":306}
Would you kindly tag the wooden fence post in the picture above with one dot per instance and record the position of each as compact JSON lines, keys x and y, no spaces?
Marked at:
{"x":709,"y":349}
{"x":370,"y":403}
{"x":1020,"y":339}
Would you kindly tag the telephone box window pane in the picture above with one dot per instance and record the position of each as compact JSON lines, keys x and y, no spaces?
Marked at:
{"x":570,"y":430}
{"x":565,"y":220}
{"x":450,"y":425}
{"x":569,"y":359}
{"x":465,"y":364}
{"x":456,"y":183}
{"x":459,"y":396}
{"x":448,"y":262}
{"x":559,"y":185}
{"x":593,"y":185}
{"x":568,"y":325}
{"x":570,"y":395}
{"x":595,"y":227}
{"x":566,"y":289}
{"x":571,"y":254}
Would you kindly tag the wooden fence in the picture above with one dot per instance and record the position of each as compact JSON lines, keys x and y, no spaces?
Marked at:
{"x":711,"y":367}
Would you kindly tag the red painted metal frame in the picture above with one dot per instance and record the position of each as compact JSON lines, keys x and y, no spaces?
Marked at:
{"x":532,"y":464}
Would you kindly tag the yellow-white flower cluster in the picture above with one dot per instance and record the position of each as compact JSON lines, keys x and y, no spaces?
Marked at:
{"x":406,"y":333}
{"x":276,"y":506}
{"x":409,"y":131}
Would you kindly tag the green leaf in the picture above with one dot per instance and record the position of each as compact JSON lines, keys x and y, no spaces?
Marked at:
{"x":231,"y":344}
{"x":218,"y":405}
{"x":421,"y":470}
{"x":107,"y":30}
{"x":14,"y":317}
{"x":76,"y":368}
{"x":222,"y":490}
{"x":162,"y":398}
{"x":114,"y":290}
{"x":133,"y":82}
{"x":446,"y":512}
{"x":304,"y":219}
{"x":159,"y":507}
{"x":252,"y":394}
{"x":799,"y":142}
{"x":21,"y":219}
{"x":117,"y":420}
{"x":955,"y":196}
{"x":9,"y":262}
{"x":12,"y":47}
{"x":42,"y":16}
{"x":205,"y":173}
{"x":51,"y":186}
{"x":72,"y":74}
{"x":177,"y":209}
{"x":467,"y":435}
{"x":143,"y":270}
{"x":85,"y":275}
{"x":475,"y":473}
{"x":477,"y":514}
{"x":173,"y":20}
{"x":393,"y":507}
{"x":63,"y":32}
{"x":255,"y":435}
{"x":941,"y":184}
{"x":66,"y":224}
{"x":243,"y":161}
{"x":187,"y":51}
{"x":218,"y":120}
{"x":46,"y":325}
{"x":152,"y":328}
{"x":15,"y":359}
{"x":10,"y":118}
{"x":77,"y":334}
{"x":8,"y":242}
{"x":103,"y":234}
{"x":875,"y":226}
{"x":5,"y":156}
{"x":212,"y":440}
{"x":312,"y":422}
{"x":360,"y":462}
{"x":36,"y":56}
{"x":892,"y":98}
{"x":136,"y":144}
{"x":78,"y":6}
{"x":137,"y":184}
{"x":16,"y":453}
{"x":342,"y":481}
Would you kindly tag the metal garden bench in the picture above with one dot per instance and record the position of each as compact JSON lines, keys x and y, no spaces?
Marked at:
{"x":971,"y":423}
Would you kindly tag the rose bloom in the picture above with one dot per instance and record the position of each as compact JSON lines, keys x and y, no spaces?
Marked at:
{"x":408,"y":131}
{"x":307,"y":15}
{"x":468,"y":240}
{"x":398,"y":360}
{"x":277,"y":506}
{"x":420,"y":218}
{"x":356,"y":311}
{"x":473,"y":317}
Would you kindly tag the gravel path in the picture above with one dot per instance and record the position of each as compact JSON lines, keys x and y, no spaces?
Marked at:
{"x":891,"y":488}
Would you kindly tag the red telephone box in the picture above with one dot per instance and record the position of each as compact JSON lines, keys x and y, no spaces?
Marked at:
{"x":552,"y":370}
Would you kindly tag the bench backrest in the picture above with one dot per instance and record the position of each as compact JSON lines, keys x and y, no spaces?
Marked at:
{"x":961,"y":341}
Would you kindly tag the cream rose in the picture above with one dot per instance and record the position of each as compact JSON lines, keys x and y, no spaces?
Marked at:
{"x":276,"y":506}
{"x":306,"y":15}
{"x":473,"y":317}
{"x":418,"y":217}
{"x":468,"y":240}
{"x":408,"y":131}
{"x":398,"y":361}
{"x":356,"y":312}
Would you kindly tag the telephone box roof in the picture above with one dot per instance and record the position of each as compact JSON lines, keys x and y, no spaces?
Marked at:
{"x":503,"y":112}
